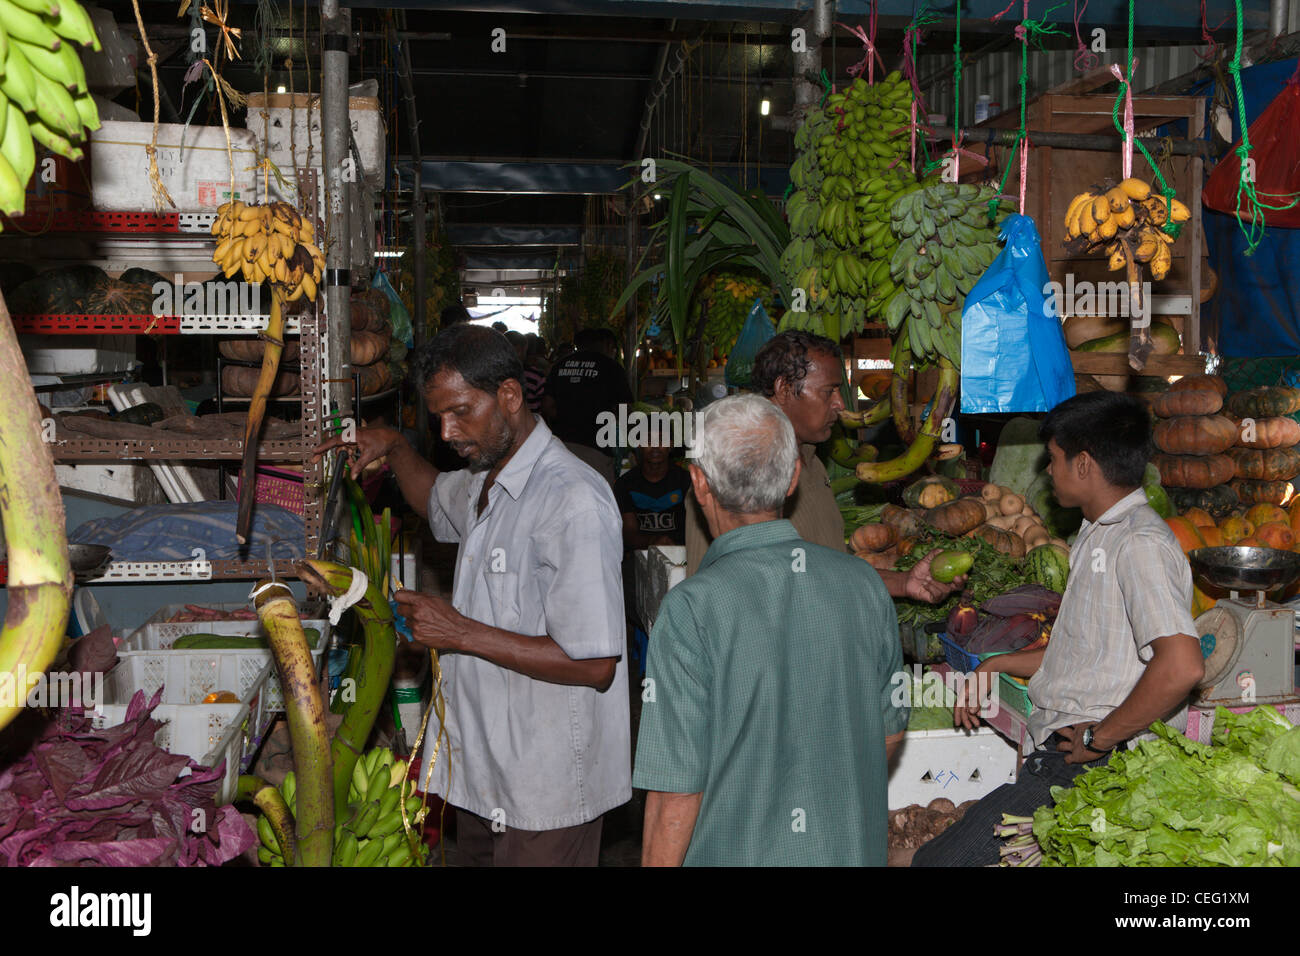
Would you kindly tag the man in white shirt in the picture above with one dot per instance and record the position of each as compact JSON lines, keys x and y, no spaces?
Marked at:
{"x":1123,"y":651}
{"x":532,"y":641}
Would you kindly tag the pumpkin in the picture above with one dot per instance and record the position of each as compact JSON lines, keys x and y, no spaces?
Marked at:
{"x":1199,"y":517}
{"x":1008,"y":542}
{"x":1236,"y":528}
{"x":1253,"y":492}
{"x":1189,"y":538}
{"x":1212,"y":536}
{"x":1213,"y":382}
{"x":1251,"y":542}
{"x":1193,"y":471}
{"x":1267,"y":402}
{"x":1295,"y":517}
{"x":880,"y":560}
{"x":873,"y":537}
{"x":251,"y":350}
{"x":1192,"y":401}
{"x":1270,"y":433}
{"x":1218,"y":502}
{"x":1262,"y":514}
{"x":145,"y":277}
{"x":1276,"y":534}
{"x":1194,"y":435}
{"x":930,"y":492}
{"x":1266,"y":464}
{"x":957,"y":517}
{"x":61,"y":291}
{"x":119,"y":298}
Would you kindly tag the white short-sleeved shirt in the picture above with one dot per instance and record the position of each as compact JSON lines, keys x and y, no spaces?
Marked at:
{"x":1129,"y":584}
{"x":544,"y":558}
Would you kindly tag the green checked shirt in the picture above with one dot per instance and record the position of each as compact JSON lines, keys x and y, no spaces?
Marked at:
{"x":771,"y":675}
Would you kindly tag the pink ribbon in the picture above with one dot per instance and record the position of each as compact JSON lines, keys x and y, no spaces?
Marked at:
{"x":1128,"y":118}
{"x":870,"y":54}
{"x":1024,"y":169}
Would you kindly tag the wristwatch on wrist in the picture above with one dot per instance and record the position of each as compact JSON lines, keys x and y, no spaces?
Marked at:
{"x":1089,"y":745}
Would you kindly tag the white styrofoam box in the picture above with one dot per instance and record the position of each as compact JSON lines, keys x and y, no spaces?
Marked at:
{"x":112,"y":69}
{"x":77,"y":354}
{"x":957,"y":764}
{"x":193,"y":162}
{"x":280,"y":124}
{"x":206,"y":733}
{"x":121,"y":481}
{"x":403,"y":572}
{"x":657,"y":570}
{"x":154,"y":640}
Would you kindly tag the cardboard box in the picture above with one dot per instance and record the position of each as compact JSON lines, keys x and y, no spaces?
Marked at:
{"x":193,"y":161}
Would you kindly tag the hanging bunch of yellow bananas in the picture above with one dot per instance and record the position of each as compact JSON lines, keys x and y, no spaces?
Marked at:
{"x":1125,"y":220}
{"x":271,"y":242}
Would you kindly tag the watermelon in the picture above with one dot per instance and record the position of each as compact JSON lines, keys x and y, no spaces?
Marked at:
{"x":1048,"y":565}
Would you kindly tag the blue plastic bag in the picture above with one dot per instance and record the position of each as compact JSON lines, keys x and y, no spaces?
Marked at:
{"x":397,"y":314}
{"x":754,"y":334}
{"x":1013,"y":352}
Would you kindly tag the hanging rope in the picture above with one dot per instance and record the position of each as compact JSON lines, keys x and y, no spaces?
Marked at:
{"x":1085,"y":59}
{"x":870,"y":55}
{"x":912,"y":39}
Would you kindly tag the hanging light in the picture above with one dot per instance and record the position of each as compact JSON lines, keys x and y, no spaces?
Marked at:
{"x":765,"y":104}
{"x":281,"y":89}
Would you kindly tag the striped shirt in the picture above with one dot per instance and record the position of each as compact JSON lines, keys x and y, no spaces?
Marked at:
{"x":1129,"y":585}
{"x":812,"y":510}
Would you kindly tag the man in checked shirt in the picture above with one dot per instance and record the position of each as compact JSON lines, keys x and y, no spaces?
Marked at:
{"x":1124,"y":650}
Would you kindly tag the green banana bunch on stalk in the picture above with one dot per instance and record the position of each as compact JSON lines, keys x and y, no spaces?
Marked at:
{"x":381,"y":818}
{"x":43,"y":94}
{"x":853,"y":162}
{"x":728,"y":296}
{"x":946,"y":241}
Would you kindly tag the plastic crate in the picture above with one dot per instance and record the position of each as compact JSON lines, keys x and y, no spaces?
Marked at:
{"x":276,"y":486}
{"x":961,"y":659}
{"x":186,"y":677}
{"x":157,"y":634}
{"x":1015,"y":696}
{"x":957,"y":764}
{"x":206,"y":733}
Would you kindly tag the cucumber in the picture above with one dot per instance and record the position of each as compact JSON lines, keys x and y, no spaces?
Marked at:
{"x":233,"y":642}
{"x":1164,"y":338}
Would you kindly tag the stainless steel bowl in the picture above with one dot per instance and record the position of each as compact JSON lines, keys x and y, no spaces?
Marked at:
{"x":1246,"y":569}
{"x":85,"y":558}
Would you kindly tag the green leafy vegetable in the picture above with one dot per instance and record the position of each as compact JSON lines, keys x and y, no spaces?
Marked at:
{"x":992,"y":573}
{"x":1176,"y":802}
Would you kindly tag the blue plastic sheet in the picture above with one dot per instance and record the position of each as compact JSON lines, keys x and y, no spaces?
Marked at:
{"x":1013,"y":352}
{"x":754,"y":334}
{"x":1256,"y":312}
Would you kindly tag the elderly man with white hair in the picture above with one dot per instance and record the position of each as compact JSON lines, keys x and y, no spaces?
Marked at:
{"x":767,"y":722}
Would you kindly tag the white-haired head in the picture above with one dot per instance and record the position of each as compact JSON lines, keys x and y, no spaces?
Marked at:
{"x":747,"y":450}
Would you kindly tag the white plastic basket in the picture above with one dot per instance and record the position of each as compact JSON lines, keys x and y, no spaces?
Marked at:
{"x":956,"y":764}
{"x":158,"y":634}
{"x":206,"y":733}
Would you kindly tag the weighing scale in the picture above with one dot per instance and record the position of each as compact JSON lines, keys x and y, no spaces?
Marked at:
{"x":1248,"y":644}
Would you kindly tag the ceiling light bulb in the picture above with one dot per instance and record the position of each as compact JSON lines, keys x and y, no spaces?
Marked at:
{"x":280,"y":89}
{"x":765,"y":107}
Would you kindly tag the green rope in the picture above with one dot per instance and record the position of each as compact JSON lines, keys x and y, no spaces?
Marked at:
{"x":826,"y":88}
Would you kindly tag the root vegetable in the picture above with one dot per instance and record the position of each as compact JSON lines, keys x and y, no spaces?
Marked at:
{"x":1011,"y":504}
{"x":873,"y":537}
{"x":991,"y":492}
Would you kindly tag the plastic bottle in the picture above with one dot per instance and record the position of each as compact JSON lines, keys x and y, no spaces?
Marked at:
{"x":982,"y":107}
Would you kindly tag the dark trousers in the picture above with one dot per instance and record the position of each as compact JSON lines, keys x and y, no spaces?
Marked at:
{"x":477,"y":844}
{"x":971,"y":842}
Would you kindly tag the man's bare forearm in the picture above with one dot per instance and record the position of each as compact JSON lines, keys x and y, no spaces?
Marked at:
{"x":1167,"y":679}
{"x":1016,"y":663}
{"x":415,"y":476}
{"x":537,"y":657}
{"x":669,"y":825}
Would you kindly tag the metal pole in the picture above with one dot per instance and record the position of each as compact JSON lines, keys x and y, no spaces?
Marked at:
{"x":418,"y":212}
{"x":335,"y":128}
{"x":809,"y":62}
{"x":1278,"y":11}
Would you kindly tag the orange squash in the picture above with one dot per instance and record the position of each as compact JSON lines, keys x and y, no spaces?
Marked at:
{"x":1199,"y":517}
{"x":1276,"y":534}
{"x":1251,"y":542}
{"x":1263,"y":514}
{"x":1295,"y":518}
{"x":1212,"y":536}
{"x":1236,"y":528}
{"x":1189,"y":538}
{"x":1201,"y":381}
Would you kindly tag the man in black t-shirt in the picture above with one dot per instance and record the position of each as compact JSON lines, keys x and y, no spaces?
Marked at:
{"x":583,"y":384}
{"x":652,"y":499}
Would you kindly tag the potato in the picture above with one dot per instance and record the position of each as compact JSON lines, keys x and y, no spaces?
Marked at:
{"x":1059,"y":542}
{"x":991,"y":492}
{"x":991,"y":508}
{"x":1022,"y":524}
{"x":1035,"y":537}
{"x":1011,"y":504}
{"x":1003,"y":522}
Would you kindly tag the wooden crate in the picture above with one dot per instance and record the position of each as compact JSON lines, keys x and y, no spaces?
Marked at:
{"x":1057,"y":175}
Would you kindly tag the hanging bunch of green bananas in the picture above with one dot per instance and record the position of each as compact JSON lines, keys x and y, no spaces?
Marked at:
{"x":853,"y":162}
{"x":43,"y":93}
{"x":373,"y":832}
{"x":945,"y":242}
